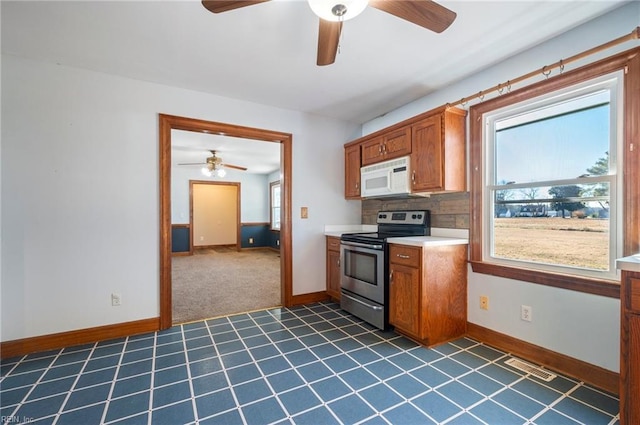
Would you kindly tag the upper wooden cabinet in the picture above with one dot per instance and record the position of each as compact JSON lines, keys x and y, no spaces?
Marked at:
{"x":390,"y":145}
{"x":435,"y":142}
{"x":352,"y":165}
{"x":438,"y":159}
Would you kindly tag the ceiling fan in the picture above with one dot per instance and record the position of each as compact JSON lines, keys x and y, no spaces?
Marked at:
{"x":214,"y":164}
{"x":332,"y":13}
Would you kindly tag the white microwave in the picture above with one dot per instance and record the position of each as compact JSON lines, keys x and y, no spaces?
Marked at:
{"x":386,"y":178}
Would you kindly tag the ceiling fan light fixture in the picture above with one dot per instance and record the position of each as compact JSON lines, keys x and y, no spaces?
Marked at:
{"x":337,"y":10}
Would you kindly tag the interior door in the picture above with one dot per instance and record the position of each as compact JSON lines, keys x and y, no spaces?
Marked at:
{"x":215,"y":213}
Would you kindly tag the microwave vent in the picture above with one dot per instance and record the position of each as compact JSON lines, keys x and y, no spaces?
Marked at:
{"x":387,"y":164}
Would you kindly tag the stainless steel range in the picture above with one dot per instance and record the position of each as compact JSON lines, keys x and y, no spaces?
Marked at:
{"x":365,"y":264}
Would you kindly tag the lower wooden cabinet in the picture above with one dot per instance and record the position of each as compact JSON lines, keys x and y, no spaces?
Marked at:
{"x":333,"y":267}
{"x":428,"y":292}
{"x":630,"y":349}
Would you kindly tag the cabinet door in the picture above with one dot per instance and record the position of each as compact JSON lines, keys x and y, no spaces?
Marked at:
{"x":333,"y":274}
{"x":404,"y":299}
{"x":372,"y":151}
{"x":397,"y":143}
{"x":352,"y":172}
{"x":427,"y":160}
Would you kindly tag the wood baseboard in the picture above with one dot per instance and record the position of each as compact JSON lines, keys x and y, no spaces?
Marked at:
{"x":594,"y":375}
{"x":20,"y":347}
{"x":314,"y":297}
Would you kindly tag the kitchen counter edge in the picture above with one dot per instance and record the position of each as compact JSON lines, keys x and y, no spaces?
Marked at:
{"x":630,"y":263}
{"x":426,"y":241}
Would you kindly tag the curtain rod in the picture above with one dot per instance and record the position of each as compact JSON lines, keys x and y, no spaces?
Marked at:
{"x":546,"y":70}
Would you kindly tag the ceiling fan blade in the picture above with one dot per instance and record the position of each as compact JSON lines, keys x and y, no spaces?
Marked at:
{"x":193,"y":163}
{"x":218,"y":6}
{"x":328,"y":38}
{"x":426,"y":13}
{"x":237,"y":167}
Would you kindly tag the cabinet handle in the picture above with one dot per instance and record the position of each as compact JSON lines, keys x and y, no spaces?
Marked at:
{"x":338,"y":262}
{"x":380,"y":149}
{"x":413,"y":177}
{"x":403,"y":256}
{"x":384,"y":148}
{"x":357,"y":184}
{"x":391,"y":276}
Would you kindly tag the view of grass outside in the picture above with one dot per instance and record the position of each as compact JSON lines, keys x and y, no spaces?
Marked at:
{"x":574,"y":242}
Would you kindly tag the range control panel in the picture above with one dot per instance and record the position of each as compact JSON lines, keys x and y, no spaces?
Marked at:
{"x":420,"y":217}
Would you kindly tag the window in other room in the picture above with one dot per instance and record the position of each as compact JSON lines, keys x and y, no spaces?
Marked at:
{"x":274,"y":201}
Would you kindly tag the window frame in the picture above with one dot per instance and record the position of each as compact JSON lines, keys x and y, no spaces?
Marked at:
{"x":628,"y":164}
{"x":272,"y":187}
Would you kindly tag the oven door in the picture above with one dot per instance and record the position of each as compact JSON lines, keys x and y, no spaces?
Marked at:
{"x":363,"y":270}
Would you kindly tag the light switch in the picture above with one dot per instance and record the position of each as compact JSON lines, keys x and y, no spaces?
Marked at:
{"x":304,"y":212}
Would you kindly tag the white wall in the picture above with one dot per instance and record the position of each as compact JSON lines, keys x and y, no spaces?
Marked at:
{"x":254,"y":200}
{"x":579,"y":325}
{"x":80,"y":200}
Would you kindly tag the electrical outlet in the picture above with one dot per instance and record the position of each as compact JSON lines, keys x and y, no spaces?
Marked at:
{"x":526,"y":313}
{"x":116,"y":300}
{"x":250,"y":241}
{"x":484,"y":302}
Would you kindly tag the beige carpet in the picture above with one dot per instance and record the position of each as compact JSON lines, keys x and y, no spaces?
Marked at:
{"x":221,"y":281}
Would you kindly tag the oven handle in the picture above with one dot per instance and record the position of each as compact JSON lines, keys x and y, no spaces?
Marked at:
{"x":362,"y":245}
{"x":372,"y":307}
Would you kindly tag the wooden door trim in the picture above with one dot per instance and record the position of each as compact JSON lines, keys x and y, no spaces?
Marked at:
{"x":172,"y":122}
{"x":238,"y":213}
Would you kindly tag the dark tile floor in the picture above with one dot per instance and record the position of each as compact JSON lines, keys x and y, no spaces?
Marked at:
{"x":312,"y":364}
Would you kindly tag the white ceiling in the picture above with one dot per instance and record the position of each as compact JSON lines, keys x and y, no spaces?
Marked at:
{"x":266,"y":53}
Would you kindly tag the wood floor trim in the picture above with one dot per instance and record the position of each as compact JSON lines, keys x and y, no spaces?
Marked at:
{"x":594,"y":375}
{"x":20,"y":347}
{"x":310,"y":298}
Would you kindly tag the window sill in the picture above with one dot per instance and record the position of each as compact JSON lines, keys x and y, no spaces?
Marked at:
{"x":605,"y":288}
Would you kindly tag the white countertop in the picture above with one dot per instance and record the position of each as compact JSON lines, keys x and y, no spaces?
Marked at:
{"x":428,"y":241}
{"x":338,"y":229}
{"x":630,"y":263}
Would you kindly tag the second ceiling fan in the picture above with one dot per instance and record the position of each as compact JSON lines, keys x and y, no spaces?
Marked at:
{"x":332,"y":13}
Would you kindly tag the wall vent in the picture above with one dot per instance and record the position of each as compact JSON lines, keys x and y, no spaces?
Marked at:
{"x":536,"y":371}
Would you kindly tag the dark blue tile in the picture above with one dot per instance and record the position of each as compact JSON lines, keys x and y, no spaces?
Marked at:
{"x":464,"y":343}
{"x":436,"y":406}
{"x":181,"y":413}
{"x":41,"y":354}
{"x":137,"y":355}
{"x":281,"y":335}
{"x":195,"y":327}
{"x":301,"y":357}
{"x":581,"y":412}
{"x":518,"y":403}
{"x":334,"y":335}
{"x":108,"y":350}
{"x":340,"y":322}
{"x":450,"y":367}
{"x":219,"y":325}
{"x":348,"y":344}
{"x":200,"y":342}
{"x":132,"y":385}
{"x":32,"y":365}
{"x":298,"y":400}
{"x":314,"y":371}
{"x":201,"y":353}
{"x":499,"y":374}
{"x":136,"y":368}
{"x":312,"y":340}
{"x":230,"y":347}
{"x":256,"y":341}
{"x":49,"y":388}
{"x":351,"y":409}
{"x":465,"y":419}
{"x":325,"y":350}
{"x":368,"y":339}
{"x":381,"y":397}
{"x":273,"y":365}
{"x":321,"y":326}
{"x":13,"y":396}
{"x":407,"y":386}
{"x":353,"y":330}
{"x":221,"y":338}
{"x":141,"y":419}
{"x":247,"y":332}
{"x":205,"y":367}
{"x":171,"y":338}
{"x":482,"y":383}
{"x":214,"y":403}
{"x":170,"y":375}
{"x":425,"y":354}
{"x":364,"y":355}
{"x":172,"y":348}
{"x":486,"y":352}
{"x":87,"y":396}
{"x":541,"y":393}
{"x":236,"y":359}
{"x":72,"y":357}
{"x":209,"y":383}
{"x":383,"y":369}
{"x":340,"y":363}
{"x":263,"y":412}
{"x":40,"y":408}
{"x":559,"y":383}
{"x":405,"y":361}
{"x":430,"y":376}
{"x":447,"y":349}
{"x":284,"y":381}
{"x":21,"y":380}
{"x":252,"y":391}
{"x":330,"y":388}
{"x":171,"y":394}
{"x":493,"y":413}
{"x":358,"y":378}
{"x":88,"y":415}
{"x":102,"y":363}
{"x":289,"y":345}
{"x":460,"y":394}
{"x":127,"y":406}
{"x":407,"y":414}
{"x":264,"y":352}
{"x":470,"y":360}
{"x":319,"y":415}
{"x":597,"y":399}
{"x":551,"y":417}
{"x":138,"y":344}
{"x":242,"y":374}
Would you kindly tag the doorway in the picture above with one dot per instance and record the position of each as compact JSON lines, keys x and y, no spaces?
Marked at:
{"x":214,"y":211}
{"x":171,"y":122}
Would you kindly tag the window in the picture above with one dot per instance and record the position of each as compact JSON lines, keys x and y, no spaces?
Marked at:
{"x":547,"y":184}
{"x":274,"y":199}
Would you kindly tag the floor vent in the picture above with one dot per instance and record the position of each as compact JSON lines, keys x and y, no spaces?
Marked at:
{"x":536,"y":371}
